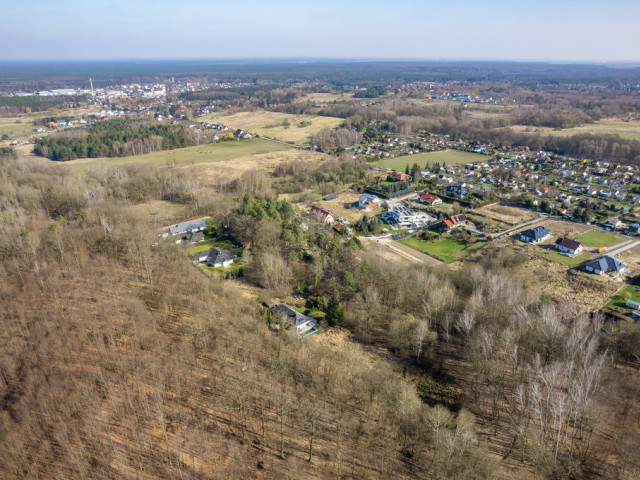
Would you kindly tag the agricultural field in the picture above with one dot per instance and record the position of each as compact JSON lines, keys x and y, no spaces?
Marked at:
{"x":448,"y":157}
{"x":449,"y":249}
{"x":597,"y":238}
{"x":296,"y":129}
{"x":200,"y":154}
{"x":509,"y":215}
{"x":611,"y":126}
{"x":16,"y":127}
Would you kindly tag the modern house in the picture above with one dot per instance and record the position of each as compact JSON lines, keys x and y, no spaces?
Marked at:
{"x":191,"y":226}
{"x":453,"y":222}
{"x":322,"y":214}
{"x":430,"y":199}
{"x":568,"y":246}
{"x":304,"y":324}
{"x":406,"y":218}
{"x":368,"y":202}
{"x":217,"y":257}
{"x":535,"y":235}
{"x":604,"y":264}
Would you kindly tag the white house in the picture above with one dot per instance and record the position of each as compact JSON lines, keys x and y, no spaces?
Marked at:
{"x":571,"y":247}
{"x":368,"y":202}
{"x":217,"y":257}
{"x":191,"y":226}
{"x":406,"y":218}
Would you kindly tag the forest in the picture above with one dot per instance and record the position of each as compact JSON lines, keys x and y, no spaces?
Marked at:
{"x":114,"y":138}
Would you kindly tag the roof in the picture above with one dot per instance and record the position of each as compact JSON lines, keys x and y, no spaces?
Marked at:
{"x":290,"y":314}
{"x":606,"y":264}
{"x":568,"y":243}
{"x":536,"y":233}
{"x":322,"y":212}
{"x":429,"y":197}
{"x":368,"y":197}
{"x":401,"y":192}
{"x":218,"y":255}
{"x":188,"y":226}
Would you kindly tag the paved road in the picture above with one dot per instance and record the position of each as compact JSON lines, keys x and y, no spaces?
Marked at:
{"x":628,"y":245}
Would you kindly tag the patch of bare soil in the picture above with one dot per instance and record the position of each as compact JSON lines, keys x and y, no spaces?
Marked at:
{"x":510,"y":215}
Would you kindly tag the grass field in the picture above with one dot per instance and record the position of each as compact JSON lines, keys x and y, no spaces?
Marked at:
{"x":596,"y":238}
{"x":207,"y":244}
{"x":554,"y":256}
{"x":448,"y":157}
{"x":214,"y":152}
{"x":272,"y":124}
{"x":16,"y":127}
{"x":449,"y":250}
{"x":629,"y":130}
{"x":632,"y":292}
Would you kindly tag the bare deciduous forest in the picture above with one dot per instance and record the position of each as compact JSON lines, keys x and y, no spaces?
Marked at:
{"x":119,"y":359}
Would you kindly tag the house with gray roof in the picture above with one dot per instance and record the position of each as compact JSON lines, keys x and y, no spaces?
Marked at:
{"x":217,"y":257}
{"x":605,"y":264}
{"x":535,"y":235}
{"x":302,"y":323}
{"x":190,"y":226}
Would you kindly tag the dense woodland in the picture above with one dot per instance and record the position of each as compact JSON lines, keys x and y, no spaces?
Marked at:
{"x":115,"y":138}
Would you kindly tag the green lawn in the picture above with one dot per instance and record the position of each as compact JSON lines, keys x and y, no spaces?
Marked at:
{"x":213,"y":152}
{"x":448,"y":157}
{"x":16,"y":127}
{"x":449,"y":249}
{"x":596,"y":238}
{"x":554,"y":256}
{"x":207,"y":244}
{"x":632,"y":292}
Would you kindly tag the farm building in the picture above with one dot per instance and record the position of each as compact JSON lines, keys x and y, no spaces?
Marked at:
{"x":566,"y":245}
{"x":535,"y":235}
{"x":604,"y":264}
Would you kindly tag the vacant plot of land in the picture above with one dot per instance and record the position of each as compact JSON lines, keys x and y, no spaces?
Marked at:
{"x":16,"y":127}
{"x":449,"y":250}
{"x":597,"y":238}
{"x":446,"y":157}
{"x":209,"y":153}
{"x":345,"y":206}
{"x":626,"y":129}
{"x":552,"y":255}
{"x":296,"y":129}
{"x":509,"y":215}
{"x":327,"y":97}
{"x":566,"y":229}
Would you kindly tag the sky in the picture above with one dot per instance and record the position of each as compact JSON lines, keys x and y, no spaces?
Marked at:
{"x":521,"y":30}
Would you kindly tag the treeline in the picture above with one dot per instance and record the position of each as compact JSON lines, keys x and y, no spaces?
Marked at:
{"x":7,"y":152}
{"x":114,"y":138}
{"x":371,"y":92}
{"x":15,"y":105}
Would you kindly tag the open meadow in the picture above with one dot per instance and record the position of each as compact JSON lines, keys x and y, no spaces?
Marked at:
{"x":296,"y":129}
{"x":609,"y":126}
{"x":448,"y":250}
{"x":446,"y":157}
{"x":16,"y":127}
{"x":503,"y":213}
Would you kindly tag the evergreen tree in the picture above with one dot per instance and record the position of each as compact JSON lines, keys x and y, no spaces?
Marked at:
{"x":334,"y":313}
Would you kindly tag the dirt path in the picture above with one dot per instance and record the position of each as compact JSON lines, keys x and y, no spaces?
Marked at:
{"x":628,"y":245}
{"x":399,"y":250}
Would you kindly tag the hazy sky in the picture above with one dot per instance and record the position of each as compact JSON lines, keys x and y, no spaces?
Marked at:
{"x":555,"y":30}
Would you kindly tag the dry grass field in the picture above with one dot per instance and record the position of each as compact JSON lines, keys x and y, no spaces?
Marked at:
{"x":345,"y":206}
{"x":16,"y":127}
{"x":282,"y":126}
{"x":510,"y":215}
{"x":612,"y":126}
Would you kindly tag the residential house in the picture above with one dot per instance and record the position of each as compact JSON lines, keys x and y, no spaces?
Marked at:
{"x":217,"y":257}
{"x":453,"y":222}
{"x":191,"y":226}
{"x":571,"y":247}
{"x":612,"y":223}
{"x":535,"y":235}
{"x":286,"y":313}
{"x":406,"y":218}
{"x":634,"y":229}
{"x":322,"y":214}
{"x":457,"y":191}
{"x":368,"y":202}
{"x":605,"y":264}
{"x":633,"y":304}
{"x":192,"y":237}
{"x":401,"y":177}
{"x":430,"y":199}
{"x":342,"y":228}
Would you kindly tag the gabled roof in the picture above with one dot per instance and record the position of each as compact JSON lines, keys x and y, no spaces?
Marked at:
{"x":218,"y":255}
{"x":568,"y":243}
{"x":188,"y":226}
{"x":536,"y":233}
{"x":290,"y":314}
{"x":606,"y":264}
